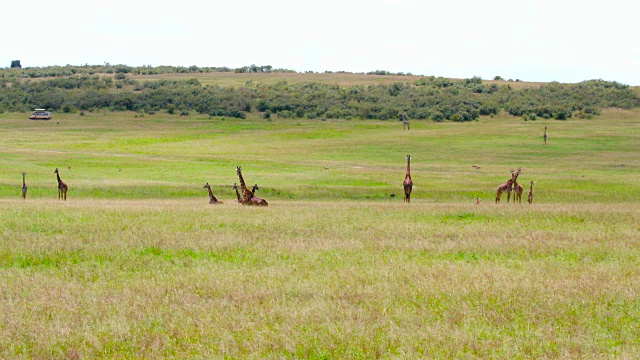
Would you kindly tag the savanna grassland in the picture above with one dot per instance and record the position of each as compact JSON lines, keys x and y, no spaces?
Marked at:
{"x":137,"y":264}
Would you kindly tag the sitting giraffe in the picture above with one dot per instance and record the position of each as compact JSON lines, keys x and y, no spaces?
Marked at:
{"x":24,"y":186}
{"x":248,"y":198}
{"x":212,"y":199}
{"x":235,"y":187}
{"x":254,"y":188}
{"x":62,"y":187}
{"x":530,"y":195}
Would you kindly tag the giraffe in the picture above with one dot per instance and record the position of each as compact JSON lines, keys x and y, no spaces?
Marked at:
{"x":235,"y":187}
{"x":405,"y":123}
{"x":530,"y":195}
{"x":24,"y":187}
{"x":408,"y":183}
{"x":248,"y":198}
{"x":246,"y":194}
{"x":517,"y":188}
{"x":62,"y":187}
{"x":517,"y":193}
{"x":545,"y":135}
{"x":212,"y":199}
{"x":505,"y":187}
{"x":254,"y":188}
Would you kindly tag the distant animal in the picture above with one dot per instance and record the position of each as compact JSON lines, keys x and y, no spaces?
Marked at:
{"x":62,"y":187}
{"x":408,"y":183}
{"x":69,"y":167}
{"x":545,"y":135}
{"x":212,"y":199}
{"x":477,"y":201}
{"x":517,"y":193}
{"x":393,"y":195}
{"x":517,"y":188}
{"x":506,"y":187}
{"x":24,"y":186}
{"x":530,"y":194}
{"x":235,"y":187}
{"x":248,"y":198}
{"x":405,"y":123}
{"x":475,"y":167}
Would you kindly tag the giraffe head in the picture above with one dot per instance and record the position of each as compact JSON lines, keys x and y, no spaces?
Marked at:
{"x":408,"y":157}
{"x":238,"y":170}
{"x":56,"y":171}
{"x":255,"y":187}
{"x":206,"y":186}
{"x":24,"y":173}
{"x":531,"y":183}
{"x":235,"y":186}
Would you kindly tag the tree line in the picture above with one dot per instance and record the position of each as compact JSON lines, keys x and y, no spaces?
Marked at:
{"x":428,"y":97}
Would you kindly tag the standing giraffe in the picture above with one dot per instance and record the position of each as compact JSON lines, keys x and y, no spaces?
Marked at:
{"x":517,"y":192}
{"x":506,"y":187}
{"x":517,"y":188}
{"x":235,"y":187}
{"x":530,"y":195}
{"x":62,"y":187}
{"x":545,"y":135}
{"x":248,"y":198}
{"x":24,"y":187}
{"x":408,"y":183}
{"x":212,"y":199}
{"x":405,"y":123}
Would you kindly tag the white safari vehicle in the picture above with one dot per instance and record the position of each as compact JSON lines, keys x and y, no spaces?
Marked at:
{"x":40,"y":114}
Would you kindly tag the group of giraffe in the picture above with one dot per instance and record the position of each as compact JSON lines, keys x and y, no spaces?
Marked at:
{"x":62,"y":187}
{"x":512,"y":185}
{"x":248,"y":196}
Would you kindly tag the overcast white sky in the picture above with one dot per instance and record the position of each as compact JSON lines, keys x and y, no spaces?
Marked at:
{"x":543,"y":40}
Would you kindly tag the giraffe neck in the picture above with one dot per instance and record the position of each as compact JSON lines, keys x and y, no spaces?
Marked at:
{"x":58,"y":176}
{"x":24,"y":184}
{"x":210,"y":193}
{"x":238,"y":194}
{"x":242,"y":184}
{"x":409,"y":168}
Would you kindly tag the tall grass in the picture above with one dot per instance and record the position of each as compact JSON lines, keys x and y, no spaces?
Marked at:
{"x":179,"y":278}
